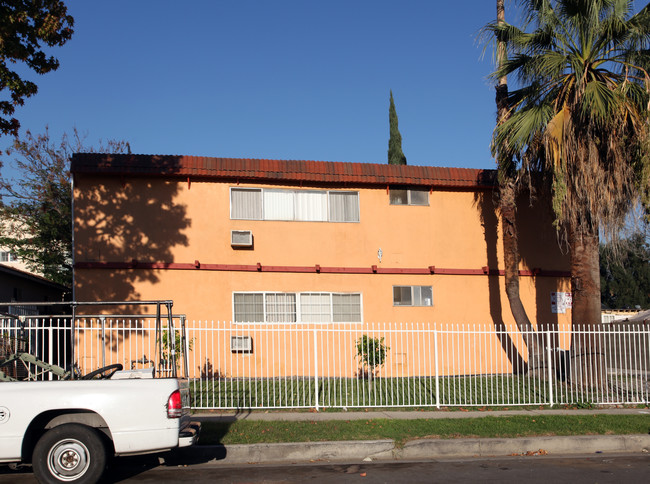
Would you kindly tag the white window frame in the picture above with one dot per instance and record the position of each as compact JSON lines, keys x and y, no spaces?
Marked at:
{"x":298,"y":295}
{"x":413,"y":298}
{"x":6,"y":256}
{"x":295,"y":218}
{"x":409,"y":201}
{"x":329,"y":206}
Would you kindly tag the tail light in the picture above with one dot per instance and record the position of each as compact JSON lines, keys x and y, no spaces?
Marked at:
{"x":174,"y":405}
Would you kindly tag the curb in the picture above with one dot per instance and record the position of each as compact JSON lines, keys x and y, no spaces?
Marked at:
{"x":383,"y":450}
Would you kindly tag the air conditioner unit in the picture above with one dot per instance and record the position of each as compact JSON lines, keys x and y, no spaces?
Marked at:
{"x":241,"y":238}
{"x":241,"y":344}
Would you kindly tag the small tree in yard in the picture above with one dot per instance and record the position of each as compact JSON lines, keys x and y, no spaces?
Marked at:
{"x":371,"y":353}
{"x":167,"y":359}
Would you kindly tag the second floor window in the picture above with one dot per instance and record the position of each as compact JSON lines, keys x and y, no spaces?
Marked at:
{"x":298,"y":205}
{"x":408,"y":196}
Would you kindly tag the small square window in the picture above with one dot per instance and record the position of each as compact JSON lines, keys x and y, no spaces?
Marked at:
{"x":412,"y":296}
{"x":418,"y":197}
{"x":398,"y":197}
{"x":410,"y":196}
{"x":402,"y":296}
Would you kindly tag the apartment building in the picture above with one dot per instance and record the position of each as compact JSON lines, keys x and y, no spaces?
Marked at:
{"x":278,"y":241}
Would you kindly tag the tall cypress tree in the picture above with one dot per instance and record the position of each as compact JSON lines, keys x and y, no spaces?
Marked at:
{"x":395,"y":154}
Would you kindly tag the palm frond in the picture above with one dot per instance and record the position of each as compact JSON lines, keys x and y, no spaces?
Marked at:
{"x":581,"y":109}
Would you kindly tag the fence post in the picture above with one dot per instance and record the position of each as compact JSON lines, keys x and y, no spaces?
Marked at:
{"x":50,"y":345}
{"x":435,"y":359}
{"x":316,"y":369}
{"x":103,"y":321}
{"x":548,"y":366}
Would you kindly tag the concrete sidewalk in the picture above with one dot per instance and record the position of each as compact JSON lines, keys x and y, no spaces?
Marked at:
{"x":307,"y":416}
{"x":417,"y":449}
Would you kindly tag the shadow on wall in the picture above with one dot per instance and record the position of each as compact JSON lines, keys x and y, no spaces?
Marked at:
{"x":485,"y":202}
{"x":125,"y":221}
{"x":535,"y":223}
{"x":535,"y":231}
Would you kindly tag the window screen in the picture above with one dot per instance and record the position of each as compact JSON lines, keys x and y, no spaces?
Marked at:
{"x":412,"y":296}
{"x":313,"y":307}
{"x":344,"y":206}
{"x":246,"y":204}
{"x":249,"y":308}
{"x":278,"y":205}
{"x":311,"y":206}
{"x":418,"y":197}
{"x":410,"y":196}
{"x":316,"y":307}
{"x":346,"y":308}
{"x":303,"y":205}
{"x":281,"y":308}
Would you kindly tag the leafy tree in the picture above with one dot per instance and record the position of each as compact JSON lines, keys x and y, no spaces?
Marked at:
{"x":625,"y":273}
{"x":26,"y":26}
{"x":37,"y":217}
{"x":579,"y":118}
{"x":395,"y":154}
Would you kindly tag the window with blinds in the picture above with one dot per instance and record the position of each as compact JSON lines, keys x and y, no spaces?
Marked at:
{"x":304,"y":307}
{"x":296,"y":205}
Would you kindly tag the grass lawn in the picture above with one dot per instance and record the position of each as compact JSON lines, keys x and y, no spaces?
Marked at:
{"x":383,"y":392}
{"x":487,"y":390}
{"x":251,"y":431}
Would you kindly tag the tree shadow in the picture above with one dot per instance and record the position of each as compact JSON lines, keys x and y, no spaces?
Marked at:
{"x":540,"y":251}
{"x":486,"y":204}
{"x":535,"y":228}
{"x":124,"y":224}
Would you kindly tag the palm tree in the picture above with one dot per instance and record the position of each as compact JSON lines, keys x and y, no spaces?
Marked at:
{"x":580,"y":118}
{"x":507,"y":177}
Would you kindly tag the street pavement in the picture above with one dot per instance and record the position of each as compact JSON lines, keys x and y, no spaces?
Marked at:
{"x":585,"y":458}
{"x":387,"y":450}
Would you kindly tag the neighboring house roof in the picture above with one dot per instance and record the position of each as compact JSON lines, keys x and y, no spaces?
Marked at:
{"x":30,"y":276}
{"x":298,"y":171}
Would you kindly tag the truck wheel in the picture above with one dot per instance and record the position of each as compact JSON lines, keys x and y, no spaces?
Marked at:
{"x":69,"y":453}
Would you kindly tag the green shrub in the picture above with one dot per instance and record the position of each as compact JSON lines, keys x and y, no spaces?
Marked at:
{"x":371,"y":353}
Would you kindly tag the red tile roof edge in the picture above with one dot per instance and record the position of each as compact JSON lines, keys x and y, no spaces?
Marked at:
{"x":247,"y":169}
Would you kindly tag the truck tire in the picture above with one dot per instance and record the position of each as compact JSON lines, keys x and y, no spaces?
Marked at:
{"x":69,"y":453}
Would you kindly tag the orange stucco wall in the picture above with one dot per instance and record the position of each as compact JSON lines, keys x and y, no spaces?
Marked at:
{"x":118,"y":220}
{"x":172,"y":221}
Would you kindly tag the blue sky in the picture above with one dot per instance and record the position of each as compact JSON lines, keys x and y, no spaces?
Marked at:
{"x":274,"y":79}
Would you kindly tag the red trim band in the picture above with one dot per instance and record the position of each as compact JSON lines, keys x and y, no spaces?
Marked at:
{"x":318,"y":269}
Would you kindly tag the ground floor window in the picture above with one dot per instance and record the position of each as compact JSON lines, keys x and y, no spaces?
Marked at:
{"x":302,"y":307}
{"x":412,"y":296}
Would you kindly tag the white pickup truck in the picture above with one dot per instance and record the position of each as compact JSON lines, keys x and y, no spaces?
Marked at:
{"x":68,"y":430}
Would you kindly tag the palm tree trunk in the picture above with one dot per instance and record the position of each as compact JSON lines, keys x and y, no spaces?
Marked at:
{"x":586,"y":347}
{"x":511,"y":264}
{"x":507,"y":207}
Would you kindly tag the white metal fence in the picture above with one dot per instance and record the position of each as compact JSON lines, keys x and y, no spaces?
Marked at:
{"x":242,"y":366}
{"x":93,"y":343}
